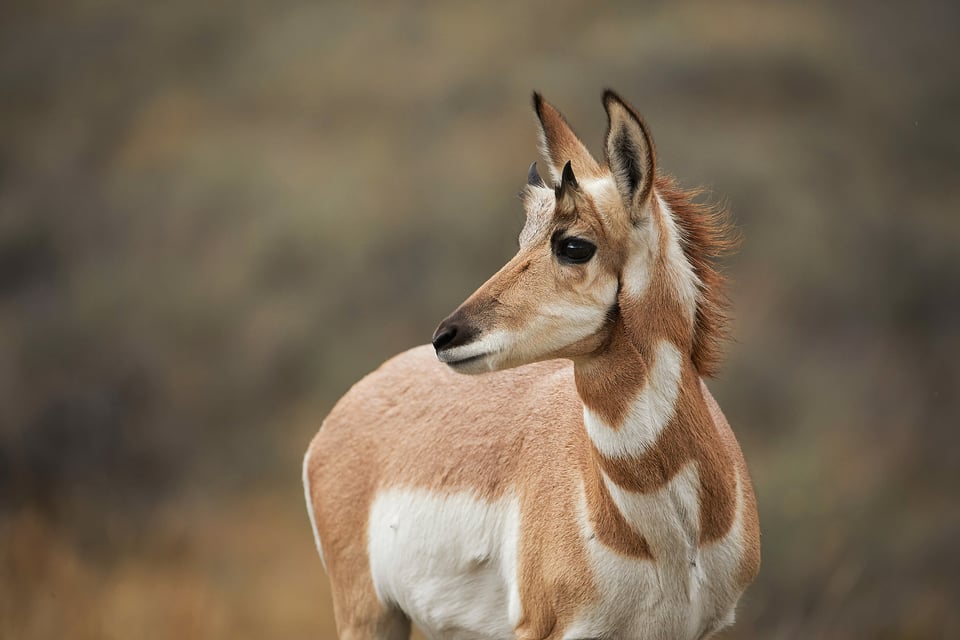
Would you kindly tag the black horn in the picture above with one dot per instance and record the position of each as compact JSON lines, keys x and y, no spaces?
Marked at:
{"x":568,"y":182}
{"x":533,"y":177}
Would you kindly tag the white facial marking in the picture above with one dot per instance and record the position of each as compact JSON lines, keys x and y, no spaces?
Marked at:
{"x":577,"y":320}
{"x":649,"y":413}
{"x":479,"y":352}
{"x":538,"y":204}
{"x":449,"y":561}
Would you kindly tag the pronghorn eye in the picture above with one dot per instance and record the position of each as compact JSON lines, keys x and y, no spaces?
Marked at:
{"x":575,"y":250}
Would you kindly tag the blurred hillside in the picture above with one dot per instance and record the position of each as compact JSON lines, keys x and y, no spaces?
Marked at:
{"x":215,"y":217}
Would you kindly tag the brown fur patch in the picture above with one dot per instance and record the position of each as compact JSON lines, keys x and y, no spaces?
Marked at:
{"x":610,"y":387}
{"x":750,"y":562}
{"x":608,"y":523}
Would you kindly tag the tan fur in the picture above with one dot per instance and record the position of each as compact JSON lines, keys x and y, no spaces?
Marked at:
{"x":500,"y":444}
{"x":519,"y":430}
{"x":750,"y":563}
{"x":505,"y":440}
{"x":559,"y":144}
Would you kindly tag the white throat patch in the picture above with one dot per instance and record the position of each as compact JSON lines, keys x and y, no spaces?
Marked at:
{"x":649,"y":413}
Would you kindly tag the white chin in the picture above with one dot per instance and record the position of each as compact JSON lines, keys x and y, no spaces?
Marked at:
{"x":478,"y":356}
{"x":476,"y":364}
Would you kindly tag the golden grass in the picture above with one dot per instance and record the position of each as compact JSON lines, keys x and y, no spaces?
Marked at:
{"x":246,"y":568}
{"x":243,"y":569}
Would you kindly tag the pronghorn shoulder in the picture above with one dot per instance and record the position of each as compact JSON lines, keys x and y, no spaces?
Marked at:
{"x":415,"y":422}
{"x":415,"y":382}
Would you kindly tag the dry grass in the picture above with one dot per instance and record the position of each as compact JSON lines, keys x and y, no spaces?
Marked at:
{"x":239,"y":569}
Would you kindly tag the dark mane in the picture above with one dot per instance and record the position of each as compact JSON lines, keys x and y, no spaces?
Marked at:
{"x":706,"y":236}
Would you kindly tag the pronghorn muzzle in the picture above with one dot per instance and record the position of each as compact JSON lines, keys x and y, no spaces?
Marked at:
{"x":453,"y":332}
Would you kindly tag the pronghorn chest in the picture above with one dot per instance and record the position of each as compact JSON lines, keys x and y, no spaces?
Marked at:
{"x":457,"y":565}
{"x":449,"y":561}
{"x":678,"y":588}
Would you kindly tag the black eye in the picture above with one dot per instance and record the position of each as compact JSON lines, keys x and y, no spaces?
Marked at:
{"x":575,"y":250}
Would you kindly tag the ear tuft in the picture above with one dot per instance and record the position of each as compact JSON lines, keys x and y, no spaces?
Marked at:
{"x":629,"y":152}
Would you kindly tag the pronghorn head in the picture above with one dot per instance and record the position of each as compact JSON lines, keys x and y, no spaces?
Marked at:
{"x":598,"y":244}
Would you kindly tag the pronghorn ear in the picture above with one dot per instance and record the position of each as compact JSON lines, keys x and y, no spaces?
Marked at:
{"x":629,"y":152}
{"x":559,"y":144}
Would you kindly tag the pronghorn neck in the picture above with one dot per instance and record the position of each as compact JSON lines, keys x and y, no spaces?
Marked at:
{"x":647,"y":419}
{"x":646,"y":416}
{"x":631,"y":390}
{"x":633,"y":382}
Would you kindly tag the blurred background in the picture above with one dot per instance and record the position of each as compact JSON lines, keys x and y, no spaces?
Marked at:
{"x":215,"y":217}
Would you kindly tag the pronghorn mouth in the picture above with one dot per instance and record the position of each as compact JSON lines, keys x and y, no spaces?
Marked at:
{"x":476,"y":356}
{"x":461,"y":361}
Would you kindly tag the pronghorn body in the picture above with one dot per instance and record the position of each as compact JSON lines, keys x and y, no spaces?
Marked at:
{"x":588,"y":486}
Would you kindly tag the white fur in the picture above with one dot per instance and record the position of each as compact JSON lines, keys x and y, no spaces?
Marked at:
{"x":684,"y":592}
{"x":488,"y":344}
{"x":449,"y":561}
{"x":685,"y":282}
{"x":554,"y":171}
{"x":720,"y":561}
{"x":560,"y":323}
{"x":638,"y":269}
{"x":649,"y":413}
{"x":309,"y":499}
{"x":538,"y":204}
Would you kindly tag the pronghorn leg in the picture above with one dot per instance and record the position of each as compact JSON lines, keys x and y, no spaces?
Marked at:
{"x":336,"y":517}
{"x":393,"y":625}
{"x":361,"y":616}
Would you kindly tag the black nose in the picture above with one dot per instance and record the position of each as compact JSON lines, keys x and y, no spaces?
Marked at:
{"x":451,"y":333}
{"x":444,"y":335}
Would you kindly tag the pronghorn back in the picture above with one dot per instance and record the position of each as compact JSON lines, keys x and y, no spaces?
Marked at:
{"x":586,"y":484}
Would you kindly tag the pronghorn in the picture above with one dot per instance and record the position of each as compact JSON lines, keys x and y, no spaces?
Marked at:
{"x":587,"y":484}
